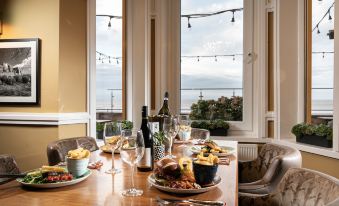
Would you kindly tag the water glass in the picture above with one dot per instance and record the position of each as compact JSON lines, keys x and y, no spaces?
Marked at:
{"x":170,"y":128}
{"x":131,"y":152}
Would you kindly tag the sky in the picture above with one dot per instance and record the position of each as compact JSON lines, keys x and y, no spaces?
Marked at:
{"x":208,"y":36}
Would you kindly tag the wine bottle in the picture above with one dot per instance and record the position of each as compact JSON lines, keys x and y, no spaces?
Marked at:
{"x":164,"y":109}
{"x":146,"y":163}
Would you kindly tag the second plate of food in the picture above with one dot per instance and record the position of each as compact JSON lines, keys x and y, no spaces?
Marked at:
{"x":153,"y":181}
{"x":226,"y":151}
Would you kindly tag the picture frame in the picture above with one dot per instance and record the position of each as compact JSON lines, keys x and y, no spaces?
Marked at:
{"x":20,"y":71}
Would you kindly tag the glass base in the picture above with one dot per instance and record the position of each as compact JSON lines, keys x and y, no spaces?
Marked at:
{"x":132,"y":192}
{"x":113,"y":171}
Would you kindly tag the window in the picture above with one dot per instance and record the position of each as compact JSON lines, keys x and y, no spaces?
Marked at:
{"x":216,"y":67}
{"x":109,"y":60}
{"x":320,"y":61}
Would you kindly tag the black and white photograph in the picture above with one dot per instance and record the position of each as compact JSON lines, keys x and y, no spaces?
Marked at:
{"x":19,"y":71}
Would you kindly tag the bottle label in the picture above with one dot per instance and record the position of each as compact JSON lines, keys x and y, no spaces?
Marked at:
{"x":146,"y":160}
{"x":154,"y":127}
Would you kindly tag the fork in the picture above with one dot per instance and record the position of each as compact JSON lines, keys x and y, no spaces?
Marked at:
{"x":188,"y":202}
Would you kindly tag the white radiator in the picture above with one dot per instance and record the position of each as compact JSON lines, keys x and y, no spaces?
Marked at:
{"x":247,"y":152}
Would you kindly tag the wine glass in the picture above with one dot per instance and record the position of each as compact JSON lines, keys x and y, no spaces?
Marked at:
{"x":112,"y":138}
{"x":170,"y":128}
{"x":185,"y":128}
{"x":132,"y":150}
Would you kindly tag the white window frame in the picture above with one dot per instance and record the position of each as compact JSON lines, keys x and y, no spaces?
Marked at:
{"x":248,"y":57}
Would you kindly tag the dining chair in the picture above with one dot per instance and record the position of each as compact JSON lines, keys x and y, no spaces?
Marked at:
{"x":8,"y":165}
{"x":299,"y":186}
{"x":262,"y":175}
{"x":57,"y":150}
{"x":200,"y":133}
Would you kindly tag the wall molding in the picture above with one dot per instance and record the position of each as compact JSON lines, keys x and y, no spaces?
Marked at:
{"x":20,"y":118}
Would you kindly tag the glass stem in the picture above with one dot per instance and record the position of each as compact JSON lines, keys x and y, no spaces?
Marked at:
{"x":113,"y":150}
{"x":132,"y":167}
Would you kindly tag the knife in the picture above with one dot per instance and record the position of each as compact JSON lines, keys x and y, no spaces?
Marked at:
{"x":12,"y":175}
{"x":203,"y":202}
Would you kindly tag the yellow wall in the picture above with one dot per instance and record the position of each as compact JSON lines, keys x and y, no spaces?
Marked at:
{"x":323,"y":164}
{"x":73,"y":56}
{"x":61,"y":26}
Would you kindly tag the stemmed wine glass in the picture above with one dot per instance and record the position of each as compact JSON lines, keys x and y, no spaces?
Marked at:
{"x":185,"y":128}
{"x":170,"y":128}
{"x":112,"y":137}
{"x":132,"y":150}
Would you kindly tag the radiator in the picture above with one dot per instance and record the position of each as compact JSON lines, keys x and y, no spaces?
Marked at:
{"x":247,"y":152}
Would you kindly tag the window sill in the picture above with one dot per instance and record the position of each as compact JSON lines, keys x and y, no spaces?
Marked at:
{"x":327,"y":152}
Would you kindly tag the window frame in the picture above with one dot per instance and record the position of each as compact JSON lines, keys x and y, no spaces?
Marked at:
{"x":248,"y":57}
{"x":91,"y":65}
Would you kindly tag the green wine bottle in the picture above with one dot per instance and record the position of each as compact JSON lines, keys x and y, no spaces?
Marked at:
{"x":164,"y":109}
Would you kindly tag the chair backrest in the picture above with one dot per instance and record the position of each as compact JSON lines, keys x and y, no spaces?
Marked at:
{"x":8,"y":165}
{"x":301,"y":186}
{"x":57,"y":150}
{"x":200,"y":133}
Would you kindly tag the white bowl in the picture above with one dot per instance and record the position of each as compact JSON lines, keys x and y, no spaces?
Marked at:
{"x":77,"y":167}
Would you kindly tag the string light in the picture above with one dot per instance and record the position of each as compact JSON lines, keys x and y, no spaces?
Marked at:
{"x":203,"y":15}
{"x":215,"y":57}
{"x":103,"y":56}
{"x":328,"y":12}
{"x":323,"y":53}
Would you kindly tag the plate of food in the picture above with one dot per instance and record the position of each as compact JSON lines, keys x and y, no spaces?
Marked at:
{"x":186,"y":176}
{"x":107,"y":149}
{"x":51,"y":177}
{"x":210,"y":147}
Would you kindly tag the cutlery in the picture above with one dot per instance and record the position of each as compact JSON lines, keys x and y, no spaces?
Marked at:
{"x":194,"y":202}
{"x":12,"y":175}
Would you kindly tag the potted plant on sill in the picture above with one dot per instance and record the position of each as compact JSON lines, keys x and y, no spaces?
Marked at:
{"x":216,"y":127}
{"x":158,"y":145}
{"x":318,"y":135}
{"x":100,"y":130}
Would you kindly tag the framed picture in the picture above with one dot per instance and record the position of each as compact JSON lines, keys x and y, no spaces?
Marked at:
{"x":19,"y":71}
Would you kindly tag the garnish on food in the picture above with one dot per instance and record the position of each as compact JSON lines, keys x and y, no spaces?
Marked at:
{"x":79,"y":153}
{"x":48,"y":174}
{"x":212,"y":147}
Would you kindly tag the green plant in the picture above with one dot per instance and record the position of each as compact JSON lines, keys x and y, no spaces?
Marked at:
{"x":100,"y":126}
{"x":158,"y":138}
{"x":229,"y":109}
{"x":321,"y":130}
{"x":210,"y":124}
{"x":125,"y":124}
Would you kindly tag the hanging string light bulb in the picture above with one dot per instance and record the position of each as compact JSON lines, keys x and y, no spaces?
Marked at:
{"x":188,"y":23}
{"x":323,"y":55}
{"x":233,"y":57}
{"x":117,"y":61}
{"x":109,"y":59}
{"x":329,"y":16}
{"x":318,"y":30}
{"x":198,"y":59}
{"x":233,"y":19}
{"x":215,"y":58}
{"x":109,"y":23}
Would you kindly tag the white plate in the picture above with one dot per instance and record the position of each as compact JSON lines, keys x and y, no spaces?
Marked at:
{"x":56,"y":184}
{"x":152,"y":181}
{"x":197,"y":149}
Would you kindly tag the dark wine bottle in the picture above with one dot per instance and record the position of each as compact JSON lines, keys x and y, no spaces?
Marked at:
{"x":164,"y":109}
{"x":146,"y":163}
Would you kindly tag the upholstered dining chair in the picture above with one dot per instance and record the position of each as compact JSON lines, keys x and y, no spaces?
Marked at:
{"x":262,"y":175}
{"x":57,"y":150}
{"x":7,"y":166}
{"x":200,"y":133}
{"x":298,"y":187}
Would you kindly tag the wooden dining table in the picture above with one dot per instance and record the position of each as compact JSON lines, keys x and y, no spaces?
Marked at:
{"x":105,"y":189}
